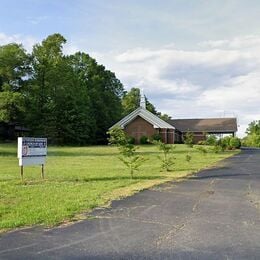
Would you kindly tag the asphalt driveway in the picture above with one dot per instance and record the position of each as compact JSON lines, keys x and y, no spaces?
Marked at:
{"x":213,"y":215}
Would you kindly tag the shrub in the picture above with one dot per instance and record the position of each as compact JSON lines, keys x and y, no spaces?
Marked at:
{"x":252,"y":140}
{"x":117,"y":136}
{"x":156,"y":137}
{"x":131,"y":140}
{"x":144,"y":140}
{"x":188,"y":157}
{"x":201,"y":142}
{"x":211,"y":140}
{"x":217,"y":149}
{"x":188,"y":139}
{"x":202,"y":150}
{"x":224,"y":142}
{"x":234,"y":142}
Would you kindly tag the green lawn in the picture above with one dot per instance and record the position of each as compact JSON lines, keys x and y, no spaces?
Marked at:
{"x":79,"y":179}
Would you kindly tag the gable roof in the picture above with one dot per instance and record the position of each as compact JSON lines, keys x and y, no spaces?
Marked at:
{"x":146,"y":115}
{"x":216,"y":125}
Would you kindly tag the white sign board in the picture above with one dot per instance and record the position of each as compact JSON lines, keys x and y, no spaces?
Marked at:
{"x":31,"y":151}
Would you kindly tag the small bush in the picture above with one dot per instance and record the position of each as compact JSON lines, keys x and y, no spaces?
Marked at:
{"x":156,"y":137}
{"x":202,"y":150}
{"x":188,"y":139}
{"x":188,"y":157}
{"x":234,"y":142}
{"x":224,"y":143}
{"x":201,"y":142}
{"x":217,"y":149}
{"x":229,"y":143}
{"x":117,"y":136}
{"x":211,"y":140}
{"x":252,"y":140}
{"x":144,"y":140}
{"x":131,"y":140}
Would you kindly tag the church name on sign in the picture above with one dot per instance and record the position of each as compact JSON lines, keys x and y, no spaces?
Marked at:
{"x":31,"y":151}
{"x":34,"y":147}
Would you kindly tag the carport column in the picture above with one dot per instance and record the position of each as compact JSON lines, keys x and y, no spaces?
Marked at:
{"x":170,"y":136}
{"x":164,"y":135}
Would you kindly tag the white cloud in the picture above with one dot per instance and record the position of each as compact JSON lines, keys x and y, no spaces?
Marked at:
{"x":37,"y":19}
{"x":248,"y":41}
{"x":220,"y":79}
{"x":25,"y":40}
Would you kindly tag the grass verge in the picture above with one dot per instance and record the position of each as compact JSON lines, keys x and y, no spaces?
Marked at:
{"x":79,"y":179}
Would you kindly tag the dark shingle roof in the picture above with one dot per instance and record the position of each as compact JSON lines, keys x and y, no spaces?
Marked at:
{"x":210,"y":125}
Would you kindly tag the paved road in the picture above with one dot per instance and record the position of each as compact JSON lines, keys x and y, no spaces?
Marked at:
{"x":214,"y":215}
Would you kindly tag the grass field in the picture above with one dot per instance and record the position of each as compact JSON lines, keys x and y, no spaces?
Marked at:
{"x":79,"y":179}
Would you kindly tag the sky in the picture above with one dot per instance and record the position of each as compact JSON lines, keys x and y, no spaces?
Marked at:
{"x":193,"y":58}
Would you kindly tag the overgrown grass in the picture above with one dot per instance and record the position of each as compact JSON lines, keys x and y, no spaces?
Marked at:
{"x":79,"y":179}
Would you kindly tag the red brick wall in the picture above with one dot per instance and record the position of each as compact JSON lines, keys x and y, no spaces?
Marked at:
{"x":139,"y":127}
{"x":197,"y":136}
{"x":171,"y":136}
{"x":167,"y":135}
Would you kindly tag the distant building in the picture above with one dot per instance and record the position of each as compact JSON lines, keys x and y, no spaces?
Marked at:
{"x":141,"y":122}
{"x":10,"y":131}
{"x":200,"y":127}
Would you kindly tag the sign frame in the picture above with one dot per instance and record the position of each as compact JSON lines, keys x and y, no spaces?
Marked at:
{"x":32,"y":151}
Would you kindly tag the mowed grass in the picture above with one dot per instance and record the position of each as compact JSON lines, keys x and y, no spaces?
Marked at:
{"x":78,"y":179}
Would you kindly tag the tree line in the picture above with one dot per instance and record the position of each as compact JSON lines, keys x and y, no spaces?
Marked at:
{"x":70,"y":99}
{"x":253,"y":134}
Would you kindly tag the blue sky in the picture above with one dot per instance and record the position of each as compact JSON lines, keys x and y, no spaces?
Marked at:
{"x":194,"y":58}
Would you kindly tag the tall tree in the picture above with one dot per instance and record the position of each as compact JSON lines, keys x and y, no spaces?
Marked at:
{"x":47,"y":60}
{"x":69,"y":99}
{"x":253,"y":134}
{"x":14,"y":67}
{"x":253,"y":128}
{"x":104,"y":91}
{"x":131,"y":101}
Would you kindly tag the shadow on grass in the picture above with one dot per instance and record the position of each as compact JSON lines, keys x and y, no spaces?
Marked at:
{"x":85,"y":180}
{"x":173,"y":153}
{"x":8,"y":153}
{"x":77,"y":153}
{"x":118,"y":178}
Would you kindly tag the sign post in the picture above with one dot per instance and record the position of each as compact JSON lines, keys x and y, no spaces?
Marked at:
{"x":32,"y":151}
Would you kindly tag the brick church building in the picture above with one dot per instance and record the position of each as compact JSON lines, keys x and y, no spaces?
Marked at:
{"x":142,"y":122}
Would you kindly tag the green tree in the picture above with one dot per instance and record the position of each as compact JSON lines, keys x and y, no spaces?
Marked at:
{"x":11,"y":105}
{"x":44,"y":84}
{"x":117,"y":136}
{"x":188,"y":139}
{"x":104,"y":91}
{"x":167,"y":159}
{"x":211,"y":140}
{"x":69,"y":99}
{"x":14,"y":67}
{"x":131,"y":101}
{"x":235,"y":142}
{"x":253,"y":134}
{"x":253,"y":128}
{"x":127,"y":150}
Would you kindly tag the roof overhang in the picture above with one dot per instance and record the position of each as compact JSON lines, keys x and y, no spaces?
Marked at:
{"x":154,"y":120}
